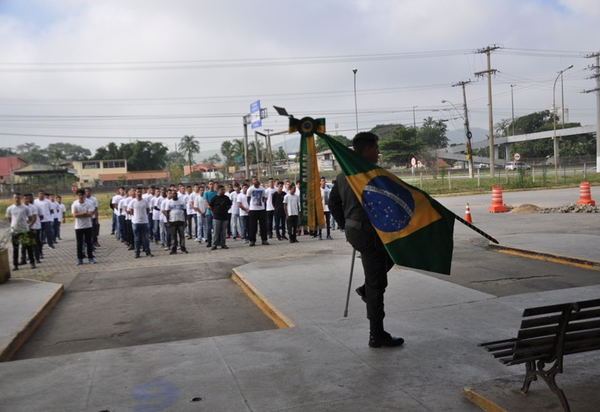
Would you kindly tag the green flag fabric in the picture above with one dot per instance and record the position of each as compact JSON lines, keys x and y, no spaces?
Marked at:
{"x":416,"y":230}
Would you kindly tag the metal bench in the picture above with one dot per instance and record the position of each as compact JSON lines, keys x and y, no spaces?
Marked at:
{"x":547,"y":334}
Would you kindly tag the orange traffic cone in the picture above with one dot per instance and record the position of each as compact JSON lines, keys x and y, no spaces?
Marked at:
{"x":585,"y":194}
{"x":468,"y":214}
{"x":497,"y":205}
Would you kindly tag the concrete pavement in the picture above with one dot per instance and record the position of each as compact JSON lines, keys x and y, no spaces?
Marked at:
{"x":322,"y":363}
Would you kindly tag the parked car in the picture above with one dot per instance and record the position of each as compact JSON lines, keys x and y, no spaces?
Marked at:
{"x":516,"y":165}
{"x":481,"y":166}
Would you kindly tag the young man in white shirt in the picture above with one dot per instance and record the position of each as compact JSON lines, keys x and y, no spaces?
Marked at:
{"x":95,"y":223}
{"x":325,"y":199}
{"x":257,"y":215}
{"x":62,"y":210}
{"x":269,"y":207}
{"x":155,"y":212}
{"x":244,"y":208}
{"x":20,"y":220}
{"x":200,"y":208}
{"x":36,"y":227}
{"x":46,"y":218}
{"x":175,"y":213}
{"x":116,"y":213}
{"x":291,"y":201}
{"x":139,"y":209}
{"x":83,"y":212}
{"x":165,"y":234}
{"x":235,"y":212}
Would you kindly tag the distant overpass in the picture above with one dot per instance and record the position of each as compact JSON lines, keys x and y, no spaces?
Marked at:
{"x":457,"y":152}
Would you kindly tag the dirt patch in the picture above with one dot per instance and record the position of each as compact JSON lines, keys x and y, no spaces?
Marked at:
{"x":526,"y":209}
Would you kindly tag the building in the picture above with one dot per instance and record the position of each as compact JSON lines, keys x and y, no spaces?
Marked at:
{"x":7,"y":167}
{"x":129,"y":179}
{"x":88,"y":171}
{"x":326,"y":161}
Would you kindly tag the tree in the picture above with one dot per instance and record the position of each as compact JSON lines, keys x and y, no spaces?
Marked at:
{"x":67,"y":151}
{"x":383,"y":131}
{"x":227,"y":152}
{"x":433,"y":133}
{"x":189,"y":146}
{"x":6,"y":151}
{"x":32,"y":153}
{"x":400,"y":146}
{"x":237,"y":151}
{"x":141,"y":155}
{"x":214,"y":159}
{"x":321,"y":146}
{"x":175,"y":172}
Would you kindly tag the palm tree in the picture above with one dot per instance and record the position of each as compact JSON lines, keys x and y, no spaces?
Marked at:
{"x":237,"y":150}
{"x":189,"y":146}
{"x":227,"y":152}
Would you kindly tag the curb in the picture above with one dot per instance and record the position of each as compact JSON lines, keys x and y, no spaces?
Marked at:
{"x":481,"y":401}
{"x":14,"y":343}
{"x":548,"y":257}
{"x":263,"y":303}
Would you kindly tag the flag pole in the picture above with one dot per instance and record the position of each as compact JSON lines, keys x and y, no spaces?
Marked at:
{"x":350,"y":282}
{"x":476,"y":229}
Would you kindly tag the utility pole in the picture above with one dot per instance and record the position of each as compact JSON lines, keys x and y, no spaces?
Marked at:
{"x":488,"y":51}
{"x":512,"y":105}
{"x":468,"y":133}
{"x":597,"y":90}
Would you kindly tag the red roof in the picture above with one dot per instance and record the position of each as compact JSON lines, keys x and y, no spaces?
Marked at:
{"x":7,"y":162}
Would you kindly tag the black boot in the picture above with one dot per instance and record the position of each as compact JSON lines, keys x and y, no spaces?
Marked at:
{"x":379,"y":337}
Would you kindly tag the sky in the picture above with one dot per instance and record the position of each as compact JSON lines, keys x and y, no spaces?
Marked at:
{"x":95,"y":72}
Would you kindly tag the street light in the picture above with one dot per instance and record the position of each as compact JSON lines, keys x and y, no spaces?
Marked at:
{"x":554,"y":140}
{"x":467,"y":134}
{"x":355,"y":101}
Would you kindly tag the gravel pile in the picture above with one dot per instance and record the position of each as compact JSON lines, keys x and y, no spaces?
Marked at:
{"x":570,"y":208}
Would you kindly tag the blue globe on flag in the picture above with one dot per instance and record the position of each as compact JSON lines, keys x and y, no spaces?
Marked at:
{"x":388,"y":204}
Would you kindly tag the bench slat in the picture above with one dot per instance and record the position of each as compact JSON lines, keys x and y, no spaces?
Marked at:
{"x":541,"y":310}
{"x":551,"y":320}
{"x":553,"y":330}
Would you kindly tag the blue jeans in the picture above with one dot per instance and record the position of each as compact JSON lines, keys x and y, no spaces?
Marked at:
{"x":208,"y":225}
{"x":156,"y":229}
{"x":113,"y":228}
{"x":48,"y":229}
{"x":141,"y":233}
{"x":235,"y":225}
{"x":200,"y":232}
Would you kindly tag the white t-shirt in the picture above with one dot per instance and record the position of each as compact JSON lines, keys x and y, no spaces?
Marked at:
{"x":94,"y":202}
{"x":78,"y":207}
{"x":154,"y":205}
{"x":325,"y":198}
{"x":242,"y":200}
{"x":140,"y":211}
{"x":62,"y":209}
{"x":257,"y":197}
{"x":292,"y":204}
{"x":192,"y":202}
{"x":200,"y":204}
{"x":176,"y":210}
{"x":123,"y":206}
{"x":269,"y":194}
{"x":128,"y":201}
{"x":235,"y":208}
{"x":115,"y":201}
{"x":19,"y":216}
{"x":163,"y":207}
{"x":56,"y":213}
{"x":35,"y":210}
{"x":44,"y":206}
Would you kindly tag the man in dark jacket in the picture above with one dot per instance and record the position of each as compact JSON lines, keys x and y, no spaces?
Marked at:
{"x":219,"y":206}
{"x":350,"y":215}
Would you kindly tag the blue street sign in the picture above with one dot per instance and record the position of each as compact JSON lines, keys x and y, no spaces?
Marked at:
{"x":255,"y":114}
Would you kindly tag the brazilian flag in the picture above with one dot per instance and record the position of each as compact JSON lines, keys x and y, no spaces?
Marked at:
{"x":416,"y":230}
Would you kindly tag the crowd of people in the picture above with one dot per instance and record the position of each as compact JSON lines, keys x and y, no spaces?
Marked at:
{"x":33,"y":224}
{"x":210,"y":213}
{"x":207,"y":213}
